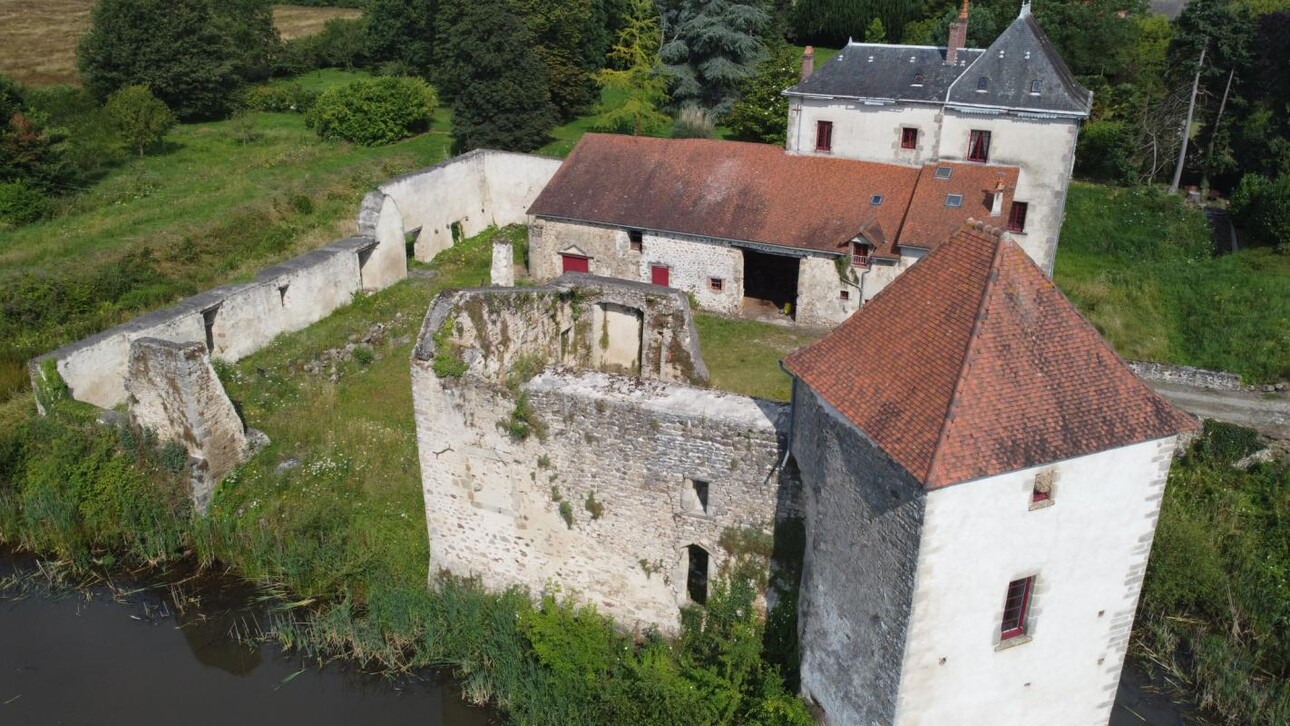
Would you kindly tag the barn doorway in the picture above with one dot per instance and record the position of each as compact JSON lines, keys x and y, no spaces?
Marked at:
{"x":696,"y":579}
{"x":770,"y":283}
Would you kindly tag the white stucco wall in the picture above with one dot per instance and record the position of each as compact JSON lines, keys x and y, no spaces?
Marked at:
{"x":1045,"y":151}
{"x":861,"y":131}
{"x":1088,"y":552}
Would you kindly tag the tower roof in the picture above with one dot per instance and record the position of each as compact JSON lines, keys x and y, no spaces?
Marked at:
{"x":972,"y":364}
{"x":1018,"y":59}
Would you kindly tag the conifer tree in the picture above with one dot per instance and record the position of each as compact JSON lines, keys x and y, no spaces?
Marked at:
{"x":636,"y":75}
{"x":713,"y":46}
{"x":496,"y":84}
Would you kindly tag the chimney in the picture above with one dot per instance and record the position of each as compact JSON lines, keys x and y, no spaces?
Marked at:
{"x":808,"y":62}
{"x":958,"y":36}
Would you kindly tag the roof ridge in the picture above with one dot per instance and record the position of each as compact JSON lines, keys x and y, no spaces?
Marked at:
{"x":991,"y":278}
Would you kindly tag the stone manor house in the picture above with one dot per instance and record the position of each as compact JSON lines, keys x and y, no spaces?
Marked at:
{"x":890,"y":148}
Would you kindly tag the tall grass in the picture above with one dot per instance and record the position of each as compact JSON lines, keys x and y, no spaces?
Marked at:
{"x":1215,"y":610}
{"x":1140,"y":265}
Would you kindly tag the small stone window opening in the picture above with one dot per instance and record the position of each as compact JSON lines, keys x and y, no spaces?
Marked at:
{"x":1016,"y":606}
{"x":1042,"y":493}
{"x":716,"y":284}
{"x":282,"y":294}
{"x":1017,"y":217}
{"x":908,"y":138}
{"x":694,"y":497}
{"x":954,"y":200}
{"x":844,"y":295}
{"x":208,"y":322}
{"x":636,"y":239}
{"x":696,"y":580}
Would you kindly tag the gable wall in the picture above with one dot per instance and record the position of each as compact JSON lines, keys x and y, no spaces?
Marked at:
{"x":1089,"y":554}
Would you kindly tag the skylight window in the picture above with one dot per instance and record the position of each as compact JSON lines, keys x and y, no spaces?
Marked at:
{"x":954,"y":200}
{"x":1035,"y":85}
{"x":982,"y":84}
{"x":943,"y":172}
{"x":875,"y":200}
{"x":918,"y":80}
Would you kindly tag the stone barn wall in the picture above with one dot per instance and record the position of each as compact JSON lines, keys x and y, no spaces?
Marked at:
{"x":620,"y":454}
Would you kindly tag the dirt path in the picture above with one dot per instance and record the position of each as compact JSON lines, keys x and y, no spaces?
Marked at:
{"x":1269,"y":413}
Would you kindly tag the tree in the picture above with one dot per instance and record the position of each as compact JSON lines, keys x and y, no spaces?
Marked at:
{"x":761,"y":113}
{"x":177,"y":48}
{"x":875,"y":33}
{"x":248,"y":24}
{"x":565,"y":42}
{"x":402,"y":31}
{"x":374,"y":111}
{"x":1262,"y":207}
{"x":714,"y":47}
{"x":497,"y":85}
{"x":831,"y":22}
{"x":28,"y":153}
{"x":635,"y":75}
{"x":1094,"y":37}
{"x":142,"y":119}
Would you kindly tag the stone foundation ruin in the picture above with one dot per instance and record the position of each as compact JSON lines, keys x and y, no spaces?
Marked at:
{"x":565,"y":442}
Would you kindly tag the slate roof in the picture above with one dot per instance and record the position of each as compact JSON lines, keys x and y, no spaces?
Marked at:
{"x":972,"y":364}
{"x":875,"y":71}
{"x":1021,"y":54}
{"x":726,"y":190}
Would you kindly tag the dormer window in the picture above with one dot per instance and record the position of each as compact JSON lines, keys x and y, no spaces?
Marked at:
{"x":982,"y":84}
{"x":1035,"y":85}
{"x":859,"y":254}
{"x":918,"y":80}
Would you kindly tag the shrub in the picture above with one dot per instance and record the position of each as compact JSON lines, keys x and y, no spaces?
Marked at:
{"x":1105,"y":152}
{"x":279,"y":98}
{"x":1262,"y":207}
{"x":21,"y":203}
{"x":694,"y":123}
{"x":372,"y":112}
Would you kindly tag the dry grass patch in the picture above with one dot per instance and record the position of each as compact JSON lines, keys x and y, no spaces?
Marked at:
{"x":38,"y":39}
{"x":298,"y":21}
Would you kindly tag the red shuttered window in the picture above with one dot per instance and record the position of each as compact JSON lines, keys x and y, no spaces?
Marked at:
{"x":979,"y":146}
{"x":823,"y":135}
{"x":1015,"y":606}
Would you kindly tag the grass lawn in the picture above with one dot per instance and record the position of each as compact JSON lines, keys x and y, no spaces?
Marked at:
{"x":743,"y":356}
{"x":1138,"y":264}
{"x":220,"y":202}
{"x":38,"y":39}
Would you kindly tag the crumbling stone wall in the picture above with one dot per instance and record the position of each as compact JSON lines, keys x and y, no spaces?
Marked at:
{"x":579,"y":478}
{"x":174,"y":392}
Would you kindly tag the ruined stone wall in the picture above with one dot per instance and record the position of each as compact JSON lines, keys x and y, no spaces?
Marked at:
{"x":233,"y":320}
{"x":864,"y":518}
{"x":473,"y":191}
{"x":501,"y":456}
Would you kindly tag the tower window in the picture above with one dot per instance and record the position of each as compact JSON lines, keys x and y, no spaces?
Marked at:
{"x":908,"y":138}
{"x":1042,"y":494}
{"x":1016,"y":605}
{"x":823,"y":135}
{"x":1017,"y":217}
{"x":696,"y":580}
{"x":694,"y":497}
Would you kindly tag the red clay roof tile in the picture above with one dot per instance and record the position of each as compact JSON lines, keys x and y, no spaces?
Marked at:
{"x":726,"y":190}
{"x":972,"y":363}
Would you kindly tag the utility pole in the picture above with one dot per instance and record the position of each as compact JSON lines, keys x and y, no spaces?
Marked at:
{"x":1213,"y":135}
{"x":1186,"y":131}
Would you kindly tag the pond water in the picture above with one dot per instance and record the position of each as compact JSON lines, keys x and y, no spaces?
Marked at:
{"x":104,"y":658}
{"x":98,"y":658}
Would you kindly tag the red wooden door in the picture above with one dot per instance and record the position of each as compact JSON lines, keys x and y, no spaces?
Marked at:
{"x":574,"y":263}
{"x":659,"y":275}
